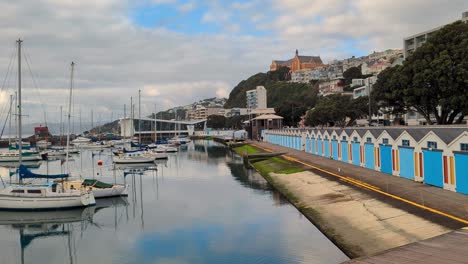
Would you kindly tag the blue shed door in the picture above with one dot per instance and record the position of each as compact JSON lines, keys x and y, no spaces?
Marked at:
{"x":307,"y":146}
{"x":313,"y":142}
{"x":369,"y":155}
{"x":461,"y":172}
{"x":406,"y":163}
{"x":386,"y":159}
{"x":327,"y":148}
{"x":356,"y":149}
{"x":335,"y":149}
{"x":344,"y":151}
{"x":433,"y":174}
{"x":319,"y":147}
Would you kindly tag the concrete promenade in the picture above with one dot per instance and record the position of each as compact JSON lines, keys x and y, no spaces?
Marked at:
{"x":442,"y":206}
{"x":449,"y":248}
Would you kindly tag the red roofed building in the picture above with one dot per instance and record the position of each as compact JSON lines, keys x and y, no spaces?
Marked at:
{"x":298,"y":63}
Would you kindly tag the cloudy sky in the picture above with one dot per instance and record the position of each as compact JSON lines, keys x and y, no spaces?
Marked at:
{"x":179,"y":51}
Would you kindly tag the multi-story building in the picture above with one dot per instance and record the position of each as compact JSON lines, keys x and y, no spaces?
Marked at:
{"x":298,"y":63}
{"x":334,"y":86}
{"x":257,"y":98}
{"x":305,"y":76}
{"x":236,"y":112}
{"x":411,"y":43}
{"x":201,"y":112}
{"x":364,"y":86}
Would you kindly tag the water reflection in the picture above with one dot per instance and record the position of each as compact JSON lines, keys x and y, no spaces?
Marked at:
{"x":199,"y":206}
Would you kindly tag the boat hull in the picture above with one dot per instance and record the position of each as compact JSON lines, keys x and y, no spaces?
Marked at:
{"x":116,"y":190}
{"x":18,"y":203}
{"x":118,"y":160}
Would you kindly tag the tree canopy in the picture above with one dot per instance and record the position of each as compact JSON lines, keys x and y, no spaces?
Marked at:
{"x":433,"y":80}
{"x":216,"y":121}
{"x":337,"y":110}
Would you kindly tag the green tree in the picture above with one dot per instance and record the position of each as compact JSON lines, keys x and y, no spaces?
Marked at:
{"x":352,"y":73}
{"x":337,"y":110}
{"x":434,"y":79}
{"x":281,"y":74}
{"x":235,"y":122}
{"x":216,"y":121}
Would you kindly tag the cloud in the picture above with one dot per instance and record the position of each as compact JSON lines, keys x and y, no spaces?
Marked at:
{"x":115,"y":56}
{"x":187,"y":7}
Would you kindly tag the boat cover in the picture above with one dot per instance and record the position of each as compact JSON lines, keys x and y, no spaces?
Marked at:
{"x":25,"y":173}
{"x":96,"y":184}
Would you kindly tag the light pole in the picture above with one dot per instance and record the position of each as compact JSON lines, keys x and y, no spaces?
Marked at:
{"x":369,"y":96}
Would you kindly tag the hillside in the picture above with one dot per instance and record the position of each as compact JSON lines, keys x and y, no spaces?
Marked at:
{"x":290,"y":100}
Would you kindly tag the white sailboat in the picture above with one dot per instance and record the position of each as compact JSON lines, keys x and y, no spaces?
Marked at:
{"x":99,"y":189}
{"x":38,"y":196}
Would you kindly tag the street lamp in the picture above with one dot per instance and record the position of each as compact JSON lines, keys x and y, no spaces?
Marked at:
{"x":369,"y":96}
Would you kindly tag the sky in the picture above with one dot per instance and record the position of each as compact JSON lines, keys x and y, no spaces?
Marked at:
{"x":180,"y":51}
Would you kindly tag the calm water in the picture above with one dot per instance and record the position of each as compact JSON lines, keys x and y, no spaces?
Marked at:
{"x":201,"y":206}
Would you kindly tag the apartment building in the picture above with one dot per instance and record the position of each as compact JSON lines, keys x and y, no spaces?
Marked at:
{"x":257,"y":98}
{"x":411,"y":43}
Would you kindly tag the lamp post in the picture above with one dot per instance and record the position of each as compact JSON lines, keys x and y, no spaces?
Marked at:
{"x":369,"y":96}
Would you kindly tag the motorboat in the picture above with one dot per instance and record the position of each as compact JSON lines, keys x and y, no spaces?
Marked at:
{"x":133,"y":158}
{"x":94,"y":145}
{"x":54,"y":153}
{"x":180,"y":140}
{"x":161,"y":148}
{"x":99,"y":189}
{"x":80,"y":140}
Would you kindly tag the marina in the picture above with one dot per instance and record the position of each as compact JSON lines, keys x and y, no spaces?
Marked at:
{"x":201,"y":205}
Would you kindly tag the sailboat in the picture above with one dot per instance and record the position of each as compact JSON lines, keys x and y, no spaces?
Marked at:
{"x":99,"y":189}
{"x":38,"y":196}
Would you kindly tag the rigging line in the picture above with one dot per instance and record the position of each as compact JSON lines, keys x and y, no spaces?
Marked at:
{"x":4,"y":124}
{"x":27,"y":59}
{"x":8,"y":69}
{"x":7,"y":77}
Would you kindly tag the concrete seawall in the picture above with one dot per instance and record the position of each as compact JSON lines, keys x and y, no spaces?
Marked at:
{"x":360,"y":221}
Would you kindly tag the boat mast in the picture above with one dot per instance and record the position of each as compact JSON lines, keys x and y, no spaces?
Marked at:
{"x":61,"y":127}
{"x":125,"y":121}
{"x":132,"y":129}
{"x":20,"y":143}
{"x":9,"y":129}
{"x":139,"y":117}
{"x":155,"y":125}
{"x":69,"y":116}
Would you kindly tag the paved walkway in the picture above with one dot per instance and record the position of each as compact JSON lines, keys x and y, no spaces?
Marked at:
{"x":444,"y":205}
{"x":449,"y":248}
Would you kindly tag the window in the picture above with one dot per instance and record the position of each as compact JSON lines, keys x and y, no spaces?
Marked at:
{"x":34,"y":191}
{"x":355,"y":139}
{"x":17,"y":191}
{"x":405,"y":143}
{"x":369,"y":140}
{"x":334,"y":137}
{"x":432,"y":144}
{"x":343,"y":138}
{"x":385,"y":141}
{"x":464,"y":147}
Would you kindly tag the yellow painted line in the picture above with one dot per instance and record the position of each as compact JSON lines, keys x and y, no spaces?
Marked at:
{"x":373,"y":188}
{"x":465,"y":228}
